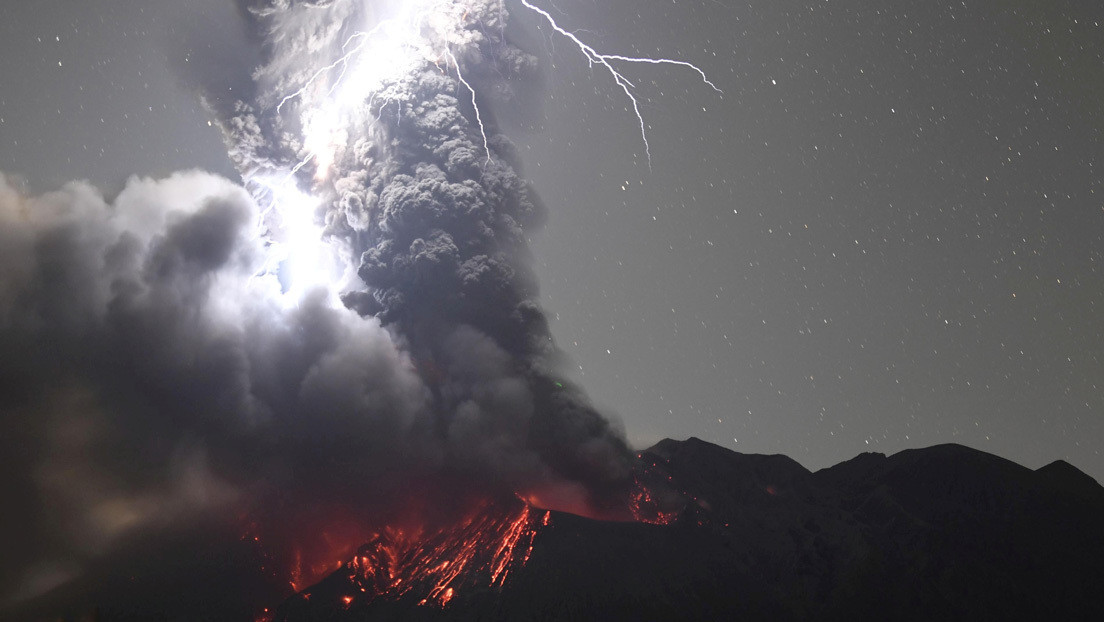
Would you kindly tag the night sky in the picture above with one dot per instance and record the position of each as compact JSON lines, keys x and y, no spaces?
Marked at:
{"x":886,"y":233}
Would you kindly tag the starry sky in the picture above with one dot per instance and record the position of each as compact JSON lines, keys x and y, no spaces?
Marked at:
{"x":886,"y":233}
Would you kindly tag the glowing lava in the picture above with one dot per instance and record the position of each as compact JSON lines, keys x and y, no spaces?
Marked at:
{"x":483,"y":549}
{"x":420,"y":562}
{"x":430,"y":567}
{"x":653,"y":498}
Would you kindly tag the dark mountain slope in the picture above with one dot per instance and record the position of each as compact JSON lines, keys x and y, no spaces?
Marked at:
{"x":946,"y":532}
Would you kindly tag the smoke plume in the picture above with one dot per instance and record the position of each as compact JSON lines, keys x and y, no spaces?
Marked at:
{"x":176,"y":356}
{"x":424,"y":197}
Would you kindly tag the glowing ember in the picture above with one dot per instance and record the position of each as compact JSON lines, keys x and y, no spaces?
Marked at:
{"x":653,"y":499}
{"x":432,"y":567}
{"x":647,"y":510}
{"x":420,"y":565}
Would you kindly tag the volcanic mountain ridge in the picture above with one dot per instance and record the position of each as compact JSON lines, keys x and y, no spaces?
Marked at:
{"x":945,"y":532}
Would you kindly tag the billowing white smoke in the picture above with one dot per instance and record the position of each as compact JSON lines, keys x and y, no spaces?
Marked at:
{"x":150,"y":376}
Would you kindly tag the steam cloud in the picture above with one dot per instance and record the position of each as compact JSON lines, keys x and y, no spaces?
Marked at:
{"x":153,"y":374}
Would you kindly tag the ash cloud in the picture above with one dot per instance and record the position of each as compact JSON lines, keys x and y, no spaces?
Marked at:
{"x":436,"y":226}
{"x":154,"y":380}
{"x":150,"y":379}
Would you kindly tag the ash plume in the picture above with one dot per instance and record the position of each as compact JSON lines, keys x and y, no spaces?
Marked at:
{"x":162,"y":373}
{"x":424,"y":196}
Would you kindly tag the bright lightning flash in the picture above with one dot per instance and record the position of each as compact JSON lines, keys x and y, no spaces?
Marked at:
{"x":596,"y":58}
{"x":422,"y":31}
{"x":333,"y":99}
{"x":298,"y":256}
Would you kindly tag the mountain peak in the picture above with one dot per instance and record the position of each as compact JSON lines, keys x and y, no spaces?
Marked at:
{"x":1064,"y":476}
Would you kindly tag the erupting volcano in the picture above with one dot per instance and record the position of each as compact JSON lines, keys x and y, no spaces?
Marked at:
{"x":371,"y":122}
{"x":323,"y":386}
{"x":297,"y":356}
{"x":294,"y":357}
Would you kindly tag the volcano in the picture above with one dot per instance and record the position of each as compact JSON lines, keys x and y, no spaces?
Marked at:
{"x":946,"y":532}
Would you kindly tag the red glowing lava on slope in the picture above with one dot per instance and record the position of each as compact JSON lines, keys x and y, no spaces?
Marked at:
{"x":430,"y":566}
{"x":431,"y":563}
{"x":482,"y":549}
{"x":653,"y":498}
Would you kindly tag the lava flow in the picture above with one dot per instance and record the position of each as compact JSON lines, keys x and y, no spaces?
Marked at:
{"x":430,"y":567}
{"x":422,"y":564}
{"x":482,"y":549}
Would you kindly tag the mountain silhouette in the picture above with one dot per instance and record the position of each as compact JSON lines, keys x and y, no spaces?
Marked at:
{"x":942,"y":533}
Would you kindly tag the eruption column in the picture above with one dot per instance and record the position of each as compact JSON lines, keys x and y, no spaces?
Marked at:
{"x":433,"y":216}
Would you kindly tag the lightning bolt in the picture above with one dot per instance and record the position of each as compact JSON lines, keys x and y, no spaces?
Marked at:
{"x":478,"y":115}
{"x":343,"y":61}
{"x":595,"y":57}
{"x":424,"y":30}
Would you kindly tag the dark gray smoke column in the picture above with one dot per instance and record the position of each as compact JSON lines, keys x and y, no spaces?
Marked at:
{"x":425,"y":198}
{"x":169,"y":415}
